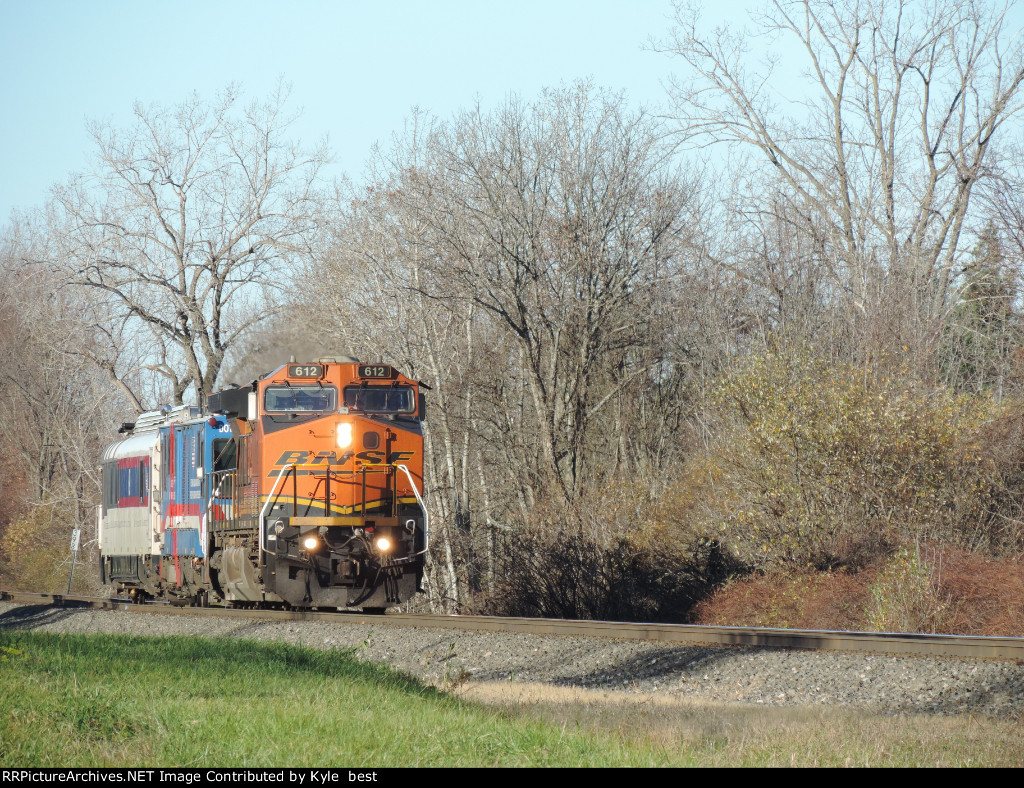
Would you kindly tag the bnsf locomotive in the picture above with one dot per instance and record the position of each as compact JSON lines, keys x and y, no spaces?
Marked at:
{"x":303,"y":489}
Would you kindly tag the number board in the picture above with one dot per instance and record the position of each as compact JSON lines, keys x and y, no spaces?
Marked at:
{"x":305,"y":371}
{"x":376,"y":371}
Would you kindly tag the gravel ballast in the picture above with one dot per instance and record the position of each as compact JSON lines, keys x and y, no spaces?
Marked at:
{"x":626,"y":669}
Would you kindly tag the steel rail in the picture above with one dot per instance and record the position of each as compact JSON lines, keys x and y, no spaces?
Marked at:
{"x":907,"y":644}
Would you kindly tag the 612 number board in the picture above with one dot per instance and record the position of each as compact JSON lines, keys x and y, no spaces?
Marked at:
{"x":305,"y":371}
{"x":376,"y":371}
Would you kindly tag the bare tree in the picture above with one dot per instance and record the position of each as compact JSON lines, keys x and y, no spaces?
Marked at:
{"x":906,"y":102}
{"x":183,"y":231}
{"x":55,"y":414}
{"x":558,"y":221}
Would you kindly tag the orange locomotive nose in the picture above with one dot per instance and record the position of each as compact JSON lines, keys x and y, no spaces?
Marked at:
{"x":355,"y":460}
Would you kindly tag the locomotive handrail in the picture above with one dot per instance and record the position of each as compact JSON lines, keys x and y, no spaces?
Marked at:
{"x":270,"y":499}
{"x":216,"y":481}
{"x":347,"y":477}
{"x":423,"y":506}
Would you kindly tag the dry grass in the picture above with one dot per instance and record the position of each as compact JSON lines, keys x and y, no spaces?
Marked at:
{"x":797,"y":600}
{"x":739,"y":735}
{"x":978,"y":596}
{"x":988,"y":595}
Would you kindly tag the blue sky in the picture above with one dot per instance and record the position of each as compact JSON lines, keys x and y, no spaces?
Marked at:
{"x":356,"y":68}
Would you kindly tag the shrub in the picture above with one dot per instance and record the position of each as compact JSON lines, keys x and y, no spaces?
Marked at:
{"x":36,"y":556}
{"x":571,"y":563}
{"x":907,"y":597}
{"x":823,"y":464}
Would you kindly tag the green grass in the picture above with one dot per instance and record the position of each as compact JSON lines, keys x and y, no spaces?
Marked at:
{"x":76,"y":700}
{"x":80,"y":700}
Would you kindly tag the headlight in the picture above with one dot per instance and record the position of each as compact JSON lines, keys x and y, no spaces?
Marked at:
{"x":344,"y":435}
{"x":383,"y":544}
{"x":310,"y":542}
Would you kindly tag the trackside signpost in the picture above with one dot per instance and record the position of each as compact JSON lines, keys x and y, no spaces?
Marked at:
{"x":76,"y":539}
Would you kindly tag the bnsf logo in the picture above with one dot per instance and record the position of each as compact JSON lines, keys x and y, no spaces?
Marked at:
{"x":331,"y":458}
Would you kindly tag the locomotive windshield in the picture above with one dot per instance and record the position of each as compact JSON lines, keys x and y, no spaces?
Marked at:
{"x":299,"y":399}
{"x":380,"y":399}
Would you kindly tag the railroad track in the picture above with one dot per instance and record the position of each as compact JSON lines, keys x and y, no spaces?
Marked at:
{"x":910,"y":644}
